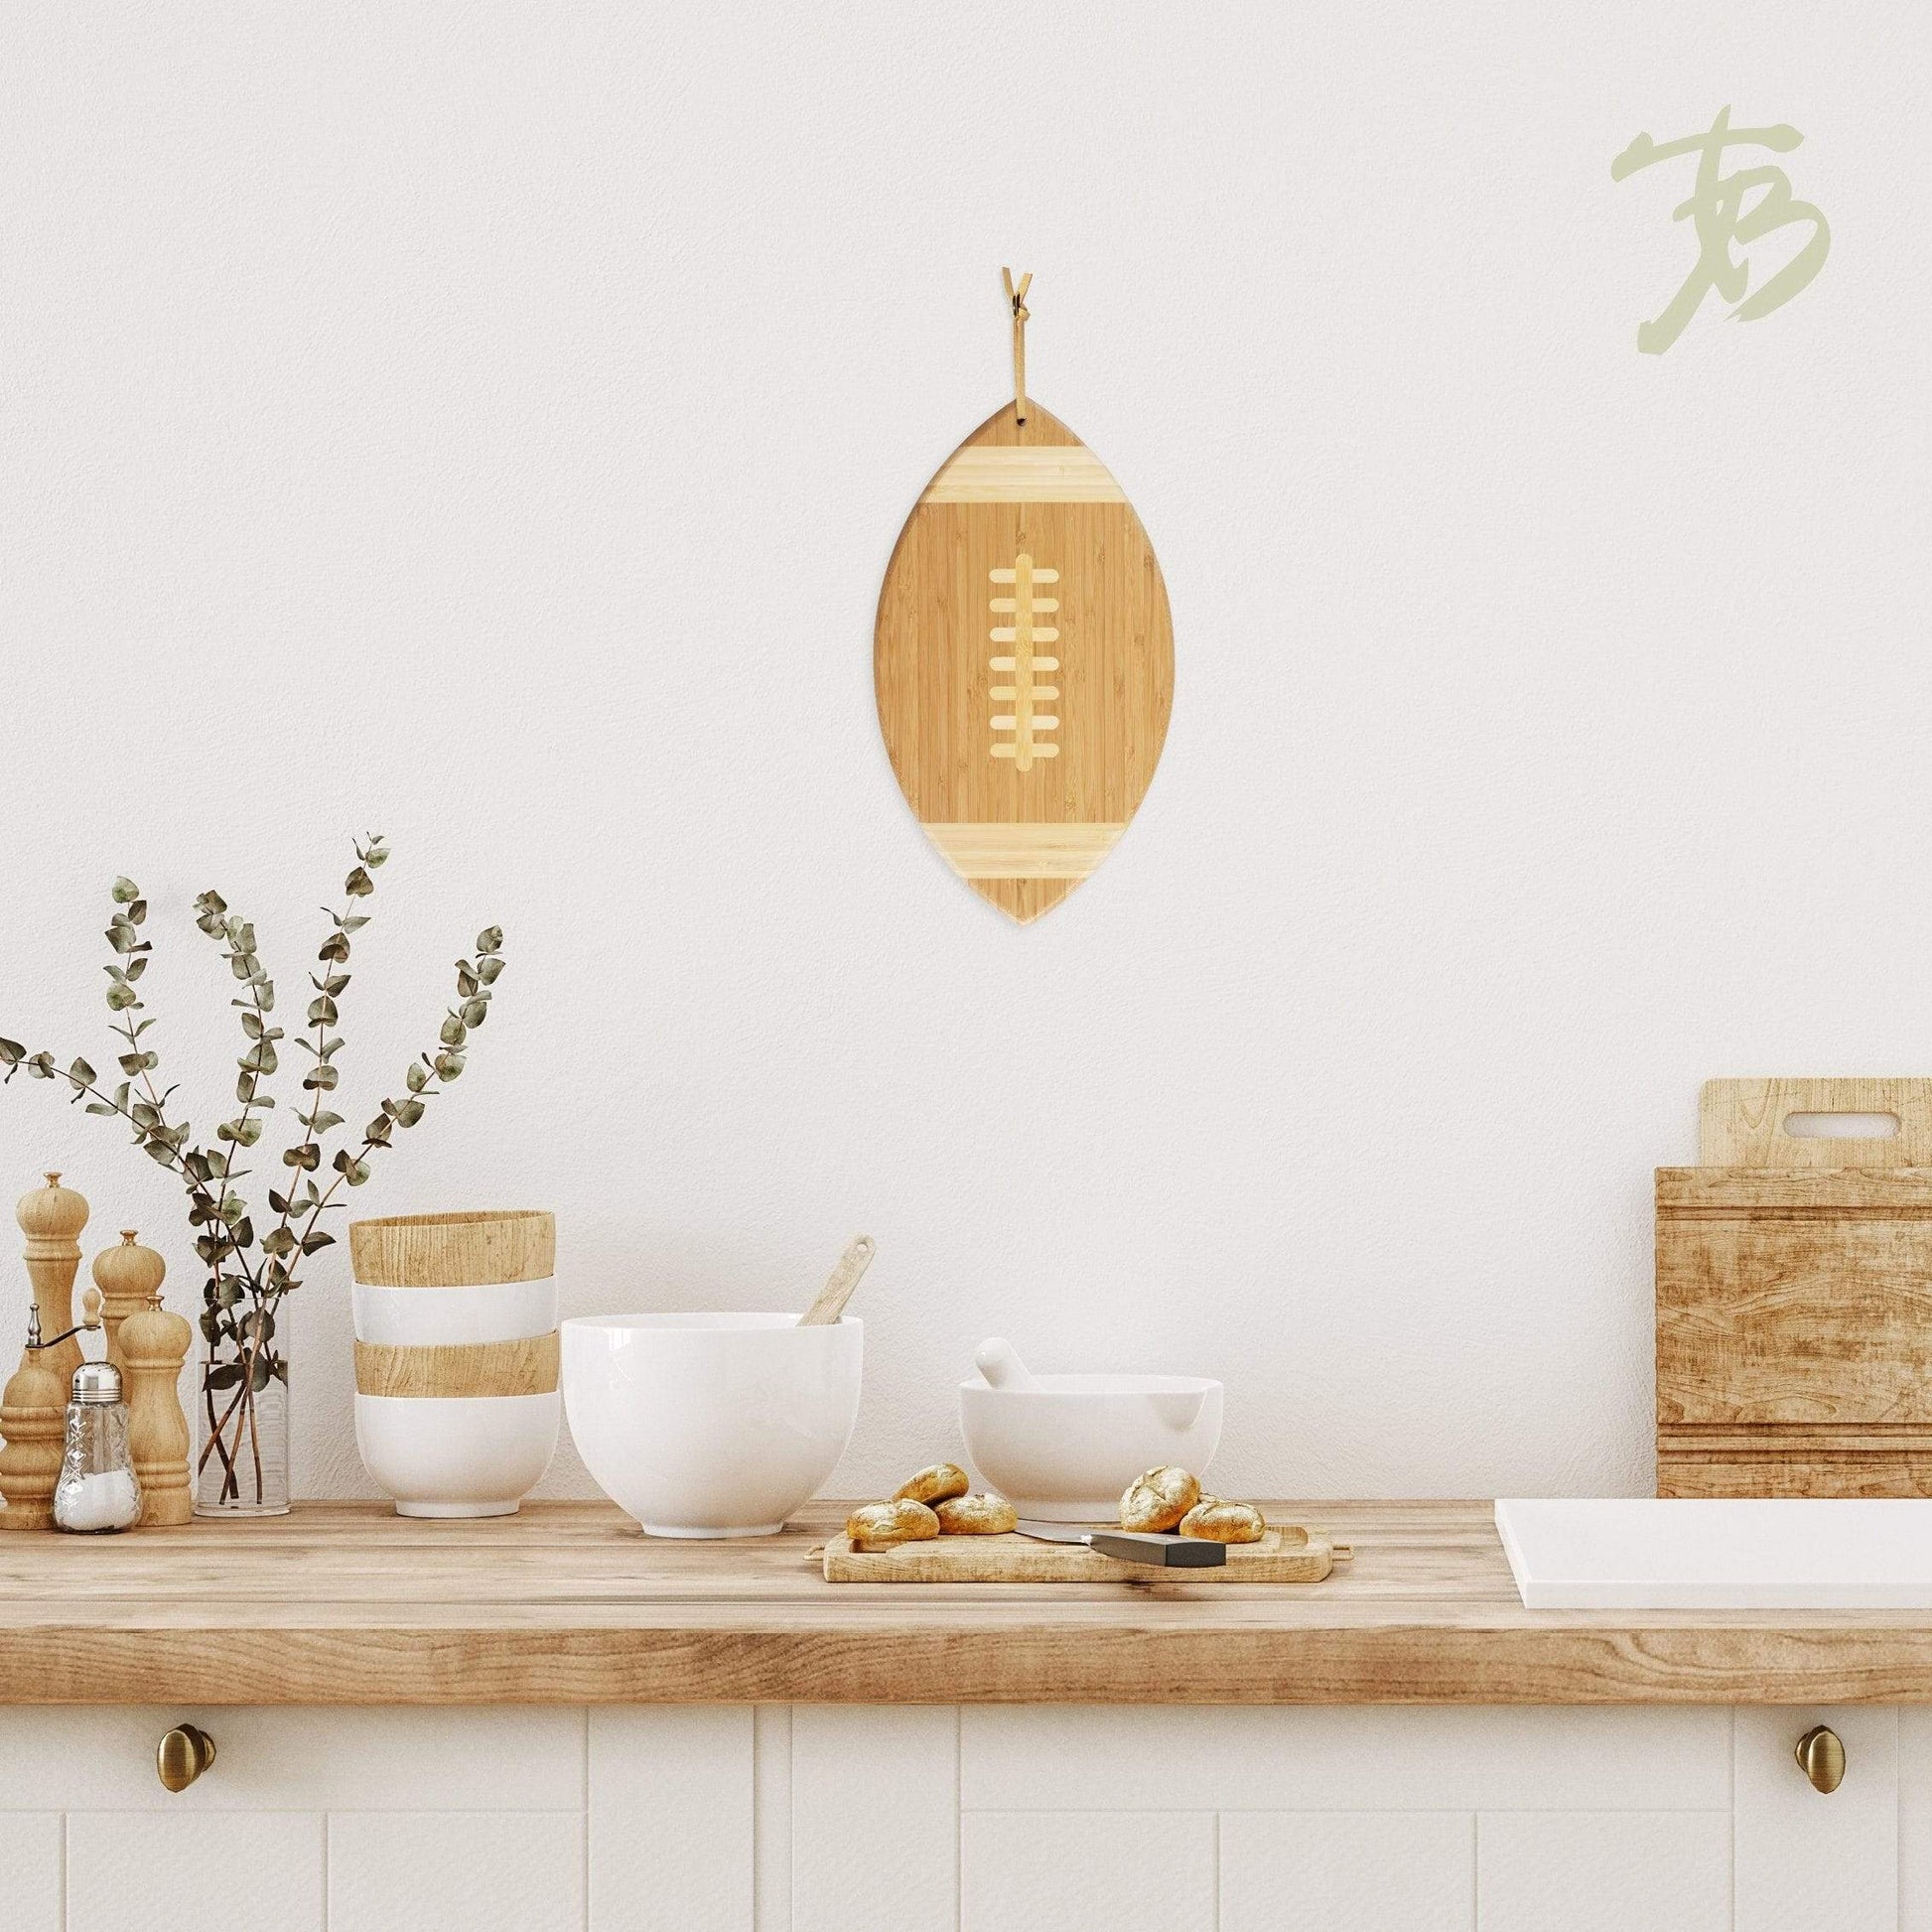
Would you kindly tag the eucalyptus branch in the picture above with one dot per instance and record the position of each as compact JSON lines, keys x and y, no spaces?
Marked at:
{"x":238,"y":1268}
{"x":424,"y":1078}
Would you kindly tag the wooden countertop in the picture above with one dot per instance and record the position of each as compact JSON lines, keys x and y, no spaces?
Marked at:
{"x":566,"y":1603}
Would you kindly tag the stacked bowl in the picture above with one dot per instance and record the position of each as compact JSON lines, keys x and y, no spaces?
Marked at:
{"x":456,"y":1359}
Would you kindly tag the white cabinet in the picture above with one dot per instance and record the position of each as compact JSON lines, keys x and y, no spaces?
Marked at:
{"x":987,"y":1819}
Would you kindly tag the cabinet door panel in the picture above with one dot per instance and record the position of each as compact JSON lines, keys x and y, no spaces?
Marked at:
{"x":875,"y":1817}
{"x":1357,"y":1758}
{"x":1826,"y":1863}
{"x":671,"y":1819}
{"x":31,"y":1856}
{"x":484,"y":1871}
{"x":1087,"y":1871}
{"x":194,"y":1873}
{"x":88,"y":1758}
{"x":1603,"y":1871}
{"x":1396,"y":1871}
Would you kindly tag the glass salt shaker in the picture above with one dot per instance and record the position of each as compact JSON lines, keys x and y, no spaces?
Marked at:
{"x":97,"y":1490}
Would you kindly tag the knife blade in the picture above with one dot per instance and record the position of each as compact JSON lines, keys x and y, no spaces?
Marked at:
{"x":1134,"y":1545}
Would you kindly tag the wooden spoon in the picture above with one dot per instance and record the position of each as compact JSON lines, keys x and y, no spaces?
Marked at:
{"x":837,"y":1292}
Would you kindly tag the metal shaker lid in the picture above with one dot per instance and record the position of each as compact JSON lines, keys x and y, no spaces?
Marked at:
{"x":96,"y":1382}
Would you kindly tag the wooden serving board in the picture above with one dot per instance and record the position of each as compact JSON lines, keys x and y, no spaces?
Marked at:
{"x":1794,"y":1298}
{"x":1283,"y":1555}
{"x":1023,"y":661}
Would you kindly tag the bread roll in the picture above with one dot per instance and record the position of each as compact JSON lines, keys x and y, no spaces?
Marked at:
{"x":879,"y":1526}
{"x":1159,"y":1499}
{"x":975,"y":1516}
{"x":935,"y":1484}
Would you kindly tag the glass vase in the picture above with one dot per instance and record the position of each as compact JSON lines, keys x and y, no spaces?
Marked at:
{"x":242,"y":1421}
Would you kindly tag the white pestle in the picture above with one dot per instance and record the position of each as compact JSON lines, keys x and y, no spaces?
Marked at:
{"x":999,"y":1361}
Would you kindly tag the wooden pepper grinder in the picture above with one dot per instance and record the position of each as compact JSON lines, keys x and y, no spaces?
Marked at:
{"x":52,"y":1218}
{"x":129,"y":1278}
{"x":33,"y":1419}
{"x":154,"y":1344}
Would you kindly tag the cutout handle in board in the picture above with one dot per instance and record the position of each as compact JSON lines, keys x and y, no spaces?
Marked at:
{"x":1813,"y":1123}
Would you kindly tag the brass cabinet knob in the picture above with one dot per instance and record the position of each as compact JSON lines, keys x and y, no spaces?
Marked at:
{"x":1821,"y":1757}
{"x":183,"y":1756}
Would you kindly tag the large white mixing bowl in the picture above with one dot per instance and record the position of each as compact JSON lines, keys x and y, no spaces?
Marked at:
{"x":710,"y":1425}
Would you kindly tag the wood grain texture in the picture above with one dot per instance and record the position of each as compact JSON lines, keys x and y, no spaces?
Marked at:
{"x":527,"y":1367}
{"x":1285,"y":1556}
{"x":1742,"y":1123}
{"x":52,"y":1218}
{"x":1794,"y":1302}
{"x":566,"y":1603}
{"x":454,"y":1250}
{"x":1104,"y":650}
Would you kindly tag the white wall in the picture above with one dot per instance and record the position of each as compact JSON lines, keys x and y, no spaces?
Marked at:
{"x":490,"y":425}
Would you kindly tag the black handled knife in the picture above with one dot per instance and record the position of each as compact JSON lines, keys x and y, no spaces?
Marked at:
{"x":1134,"y":1545}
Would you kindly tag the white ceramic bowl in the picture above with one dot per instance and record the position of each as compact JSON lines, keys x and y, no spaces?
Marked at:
{"x":431,"y":1317}
{"x":457,"y":1455}
{"x":710,"y":1425}
{"x":1065,"y":1448}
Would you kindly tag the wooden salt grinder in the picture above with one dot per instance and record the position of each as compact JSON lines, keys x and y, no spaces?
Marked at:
{"x":154,"y":1344}
{"x":129,"y":1278}
{"x":33,"y":1419}
{"x":52,"y":1218}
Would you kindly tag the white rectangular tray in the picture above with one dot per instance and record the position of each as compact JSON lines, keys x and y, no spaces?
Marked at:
{"x":1656,"y":1553}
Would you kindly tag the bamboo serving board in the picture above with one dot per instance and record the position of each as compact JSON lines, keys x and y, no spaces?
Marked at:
{"x":1283,"y":1555}
{"x":1023,"y":661}
{"x":1794,"y":1297}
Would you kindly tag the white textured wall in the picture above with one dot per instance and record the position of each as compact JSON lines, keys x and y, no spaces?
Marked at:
{"x":490,"y":425}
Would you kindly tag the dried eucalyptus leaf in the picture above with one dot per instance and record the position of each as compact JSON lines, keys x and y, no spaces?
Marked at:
{"x":488,"y":970}
{"x":358,"y":885}
{"x":120,"y":996}
{"x":125,"y":891}
{"x":449,"y":1066}
{"x":409,"y":1113}
{"x":489,"y":939}
{"x":454,"y":1032}
{"x":475,"y":1011}
{"x":418,"y":1077}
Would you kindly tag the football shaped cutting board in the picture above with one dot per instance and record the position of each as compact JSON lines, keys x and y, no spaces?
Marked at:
{"x":1023,"y":660}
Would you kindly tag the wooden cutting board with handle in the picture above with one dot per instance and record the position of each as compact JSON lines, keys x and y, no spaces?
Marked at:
{"x":1794,"y":1294}
{"x":1024,"y":655}
{"x":1286,"y":1555}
